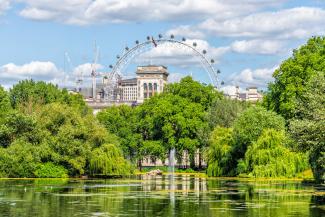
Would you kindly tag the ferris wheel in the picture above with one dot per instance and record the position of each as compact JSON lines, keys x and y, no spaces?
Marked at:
{"x":130,"y":53}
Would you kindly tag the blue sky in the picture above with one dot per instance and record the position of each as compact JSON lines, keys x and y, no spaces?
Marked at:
{"x":247,"y":38}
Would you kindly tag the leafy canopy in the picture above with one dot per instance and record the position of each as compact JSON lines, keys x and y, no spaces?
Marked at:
{"x":250,"y":125}
{"x":219,"y":152}
{"x":293,"y":75}
{"x":308,"y":128}
{"x":269,"y":157}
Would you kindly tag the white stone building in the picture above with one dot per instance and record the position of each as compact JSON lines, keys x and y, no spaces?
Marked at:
{"x":251,"y":94}
{"x":150,"y":80}
{"x":128,"y":90}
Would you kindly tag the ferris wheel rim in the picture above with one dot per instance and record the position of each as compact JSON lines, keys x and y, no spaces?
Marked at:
{"x":208,"y":67}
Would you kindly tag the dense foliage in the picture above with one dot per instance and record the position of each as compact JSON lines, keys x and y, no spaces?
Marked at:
{"x":269,"y":157}
{"x":308,"y":131}
{"x":219,"y":152}
{"x":174,"y":119}
{"x":47,"y":132}
{"x":298,"y":95}
{"x":122,"y":121}
{"x":250,"y":124}
{"x":293,"y":75}
{"x":4,"y":101}
{"x":225,"y":111}
{"x":53,"y":139}
{"x":28,"y":93}
{"x":255,"y":146}
{"x":194,"y":91}
{"x":108,"y":160}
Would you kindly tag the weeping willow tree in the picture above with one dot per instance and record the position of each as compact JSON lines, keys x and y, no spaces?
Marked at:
{"x":219,"y":152}
{"x":108,"y":160}
{"x":269,"y":157}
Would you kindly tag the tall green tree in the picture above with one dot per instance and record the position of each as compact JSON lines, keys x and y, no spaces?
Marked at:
{"x":309,"y":126}
{"x":28,"y":93}
{"x":122,"y":121}
{"x":248,"y":127}
{"x":55,"y":140}
{"x":71,"y":136}
{"x":194,"y":91}
{"x":293,"y":75}
{"x":173,"y":120}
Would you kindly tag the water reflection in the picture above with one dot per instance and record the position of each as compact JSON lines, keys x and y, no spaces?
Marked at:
{"x":160,"y":196}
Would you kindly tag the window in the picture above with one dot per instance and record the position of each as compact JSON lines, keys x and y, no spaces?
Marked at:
{"x":150,"y":86}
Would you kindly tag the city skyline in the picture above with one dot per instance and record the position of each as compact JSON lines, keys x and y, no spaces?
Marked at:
{"x":248,"y":40}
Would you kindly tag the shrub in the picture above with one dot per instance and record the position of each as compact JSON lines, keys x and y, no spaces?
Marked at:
{"x":50,"y":170}
{"x":108,"y":160}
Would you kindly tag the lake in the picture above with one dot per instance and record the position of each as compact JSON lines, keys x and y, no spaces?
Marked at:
{"x":160,"y":196}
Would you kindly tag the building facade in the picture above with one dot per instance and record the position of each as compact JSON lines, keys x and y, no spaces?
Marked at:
{"x":251,"y":94}
{"x":128,"y":90}
{"x":149,"y":81}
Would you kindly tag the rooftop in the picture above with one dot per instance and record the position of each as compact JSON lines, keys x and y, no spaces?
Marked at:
{"x":152,"y":69}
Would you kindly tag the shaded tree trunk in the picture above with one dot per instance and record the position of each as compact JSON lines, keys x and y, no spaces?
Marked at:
{"x":200,"y":159}
{"x":140,"y":164}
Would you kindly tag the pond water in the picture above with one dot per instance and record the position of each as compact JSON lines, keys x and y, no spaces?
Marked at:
{"x":160,"y":196}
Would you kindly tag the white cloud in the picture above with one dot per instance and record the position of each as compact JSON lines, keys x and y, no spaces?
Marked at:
{"x":4,"y":5}
{"x":230,"y":89}
{"x":258,"y":46}
{"x":300,"y":22}
{"x":175,"y":77}
{"x":186,"y":31}
{"x":86,"y":69}
{"x":249,"y":77}
{"x":81,"y":12}
{"x":34,"y":70}
{"x":46,"y":71}
{"x":66,"y":11}
{"x":184,"y":57}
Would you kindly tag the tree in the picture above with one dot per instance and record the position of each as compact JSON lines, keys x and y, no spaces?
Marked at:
{"x":173,"y":120}
{"x":20,"y":159}
{"x":71,"y":136}
{"x":269,"y":157}
{"x":19,"y":126}
{"x":293,"y":75}
{"x":108,"y":160}
{"x":194,"y":91}
{"x":4,"y":102}
{"x":309,"y":126}
{"x":224,"y":112}
{"x":250,"y":125}
{"x":219,"y":152}
{"x":121,"y":121}
{"x":152,"y":149}
{"x":29,"y":93}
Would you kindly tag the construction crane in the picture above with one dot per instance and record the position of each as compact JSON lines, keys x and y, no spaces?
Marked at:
{"x":94,"y":72}
{"x":79,"y":76}
{"x":69,"y":70}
